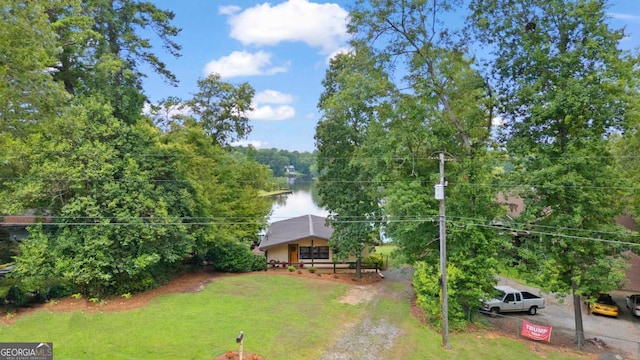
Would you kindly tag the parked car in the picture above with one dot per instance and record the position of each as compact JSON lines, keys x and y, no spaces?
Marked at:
{"x":508,"y":299}
{"x":633,"y":304}
{"x":605,"y":305}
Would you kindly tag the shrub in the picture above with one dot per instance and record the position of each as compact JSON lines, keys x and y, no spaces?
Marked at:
{"x":17,"y":296}
{"x":373,"y":261}
{"x":291,"y":268}
{"x":259,"y":263}
{"x":231,"y":256}
{"x":312,"y":269}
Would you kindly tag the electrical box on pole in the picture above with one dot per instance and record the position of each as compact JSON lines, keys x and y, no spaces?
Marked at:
{"x":439,"y":189}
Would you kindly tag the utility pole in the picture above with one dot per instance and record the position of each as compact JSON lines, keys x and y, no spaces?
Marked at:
{"x":440,"y":195}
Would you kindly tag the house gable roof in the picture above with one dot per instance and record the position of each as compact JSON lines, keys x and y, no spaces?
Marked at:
{"x":294,"y":229}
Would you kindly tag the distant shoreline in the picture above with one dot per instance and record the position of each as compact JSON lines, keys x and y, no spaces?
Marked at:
{"x":276,"y":192}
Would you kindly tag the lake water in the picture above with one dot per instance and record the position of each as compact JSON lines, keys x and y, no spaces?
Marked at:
{"x":302,"y":201}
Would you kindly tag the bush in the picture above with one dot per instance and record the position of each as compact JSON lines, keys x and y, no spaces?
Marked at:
{"x":231,"y":256}
{"x":373,"y":261}
{"x":259,"y":263}
{"x":312,"y":269}
{"x":17,"y":296}
{"x":291,"y":268}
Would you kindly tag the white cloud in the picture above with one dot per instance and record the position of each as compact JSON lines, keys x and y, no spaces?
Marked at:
{"x":255,"y":143}
{"x":243,"y":63}
{"x":228,"y":9}
{"x":272,"y":113}
{"x":272,"y":97}
{"x":282,"y":111}
{"x":318,"y":25}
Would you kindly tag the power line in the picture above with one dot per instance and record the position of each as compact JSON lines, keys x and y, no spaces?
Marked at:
{"x":574,"y":237}
{"x":175,"y":154}
{"x":250,"y":221}
{"x":533,"y":225}
{"x":490,"y":185}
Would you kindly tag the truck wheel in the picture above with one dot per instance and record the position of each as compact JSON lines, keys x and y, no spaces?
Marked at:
{"x":533,"y":310}
{"x":494,"y":311}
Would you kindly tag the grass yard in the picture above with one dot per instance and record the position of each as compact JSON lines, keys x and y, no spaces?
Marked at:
{"x":282,"y":316}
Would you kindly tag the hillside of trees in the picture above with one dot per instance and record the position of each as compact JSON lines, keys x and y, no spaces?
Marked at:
{"x":277,"y":160}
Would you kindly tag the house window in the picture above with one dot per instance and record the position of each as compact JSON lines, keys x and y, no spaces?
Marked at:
{"x":319,"y":252}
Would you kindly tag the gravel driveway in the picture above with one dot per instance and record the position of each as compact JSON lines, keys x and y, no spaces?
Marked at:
{"x":603,"y":334}
{"x":366,"y":339}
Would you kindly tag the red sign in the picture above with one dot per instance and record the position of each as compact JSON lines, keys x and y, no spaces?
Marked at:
{"x":536,"y":332}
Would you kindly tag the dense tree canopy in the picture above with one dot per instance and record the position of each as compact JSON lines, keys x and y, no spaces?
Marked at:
{"x":277,"y":160}
{"x":349,"y":106}
{"x":127,"y":201}
{"x":378,"y":137}
{"x":556,"y":81}
{"x":564,"y":87}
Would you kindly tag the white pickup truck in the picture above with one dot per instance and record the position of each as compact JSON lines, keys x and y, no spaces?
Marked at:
{"x":508,"y":299}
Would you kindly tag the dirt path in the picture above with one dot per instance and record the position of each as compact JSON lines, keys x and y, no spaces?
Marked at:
{"x":368,"y":338}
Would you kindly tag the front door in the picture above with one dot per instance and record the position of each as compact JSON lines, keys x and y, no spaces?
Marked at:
{"x":293,"y":253}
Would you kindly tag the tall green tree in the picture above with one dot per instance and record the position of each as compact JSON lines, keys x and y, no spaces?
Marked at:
{"x":227,"y":187}
{"x":29,"y":47}
{"x":84,"y":165}
{"x":344,"y":185}
{"x":439,"y":103}
{"x":564,"y":86}
{"x":222,"y":108}
{"x":118,"y":214}
{"x":104,"y":49}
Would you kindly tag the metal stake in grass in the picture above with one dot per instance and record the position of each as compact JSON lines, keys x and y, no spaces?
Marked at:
{"x":239,"y":340}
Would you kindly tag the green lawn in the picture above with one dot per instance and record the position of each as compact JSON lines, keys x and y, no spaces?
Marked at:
{"x":283,"y":317}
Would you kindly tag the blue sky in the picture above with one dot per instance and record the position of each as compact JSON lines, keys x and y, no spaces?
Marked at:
{"x":282,"y":49}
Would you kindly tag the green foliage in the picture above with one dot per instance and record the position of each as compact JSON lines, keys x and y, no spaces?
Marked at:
{"x":560,"y":111}
{"x":624,"y":148}
{"x":231,"y":256}
{"x":221,"y":109}
{"x":463,"y":294}
{"x":312,"y":269}
{"x":344,"y":182}
{"x":373,"y":261}
{"x":437,"y":103}
{"x":259,"y":262}
{"x":291,"y":268}
{"x":35,"y":264}
{"x":278,"y":159}
{"x":110,"y":48}
{"x":28,"y":94}
{"x":565,"y":87}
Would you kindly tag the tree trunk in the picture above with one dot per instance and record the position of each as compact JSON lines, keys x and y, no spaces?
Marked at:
{"x":359,"y":267}
{"x":577,"y":310}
